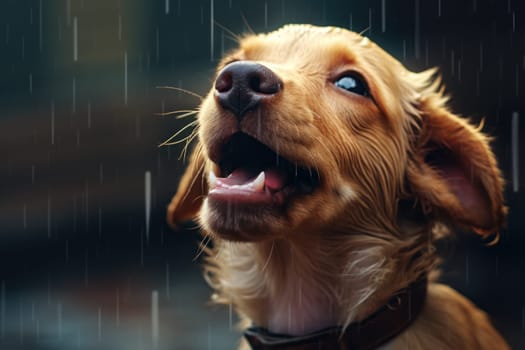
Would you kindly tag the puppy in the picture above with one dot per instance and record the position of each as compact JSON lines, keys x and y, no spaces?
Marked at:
{"x":324,"y":172}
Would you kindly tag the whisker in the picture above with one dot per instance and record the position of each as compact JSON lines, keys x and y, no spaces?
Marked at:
{"x":269,"y":257}
{"x":189,"y":139}
{"x":169,"y":140}
{"x":245,"y":21}
{"x":237,"y":38}
{"x":201,"y":168}
{"x":202,"y":246}
{"x":182,"y":90}
{"x":183,"y":113}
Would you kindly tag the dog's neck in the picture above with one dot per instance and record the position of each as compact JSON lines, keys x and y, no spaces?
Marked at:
{"x":301,"y":286}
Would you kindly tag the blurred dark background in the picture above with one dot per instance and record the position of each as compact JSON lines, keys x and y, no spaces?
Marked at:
{"x":86,"y":258}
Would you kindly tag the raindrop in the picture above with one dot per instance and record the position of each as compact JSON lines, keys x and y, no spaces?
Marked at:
{"x":513,"y":21}
{"x":147,"y":191}
{"x":155,"y":319}
{"x":459,"y":70}
{"x":404,"y":49}
{"x":167,"y":7}
{"x":474,"y":5}
{"x":480,"y":57}
{"x":75,"y":39}
{"x":23,"y":48}
{"x":439,"y":8}
{"x":266,"y":14}
{"x":350,"y":20}
{"x":515,"y":152}
{"x":383,"y":16}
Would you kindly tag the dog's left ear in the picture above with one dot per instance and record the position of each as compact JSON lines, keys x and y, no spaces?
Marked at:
{"x":454,"y":172}
{"x":186,"y":203}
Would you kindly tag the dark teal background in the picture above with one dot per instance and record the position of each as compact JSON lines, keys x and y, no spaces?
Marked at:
{"x":78,"y":266}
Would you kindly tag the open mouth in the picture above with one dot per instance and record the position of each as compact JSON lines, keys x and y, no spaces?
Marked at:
{"x":252,"y":173}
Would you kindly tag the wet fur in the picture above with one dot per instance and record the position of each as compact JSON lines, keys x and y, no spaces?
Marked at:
{"x":397,"y":171}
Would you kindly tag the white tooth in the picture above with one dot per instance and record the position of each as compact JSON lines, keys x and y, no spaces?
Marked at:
{"x":258,"y":183}
{"x":212,"y":179}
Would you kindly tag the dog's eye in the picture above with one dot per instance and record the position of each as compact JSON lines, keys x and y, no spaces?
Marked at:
{"x":352,"y":83}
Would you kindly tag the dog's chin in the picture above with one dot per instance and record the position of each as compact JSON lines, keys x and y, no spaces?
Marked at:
{"x":241,"y":221}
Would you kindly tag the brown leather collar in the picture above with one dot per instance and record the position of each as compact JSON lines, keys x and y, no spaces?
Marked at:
{"x":383,"y":325}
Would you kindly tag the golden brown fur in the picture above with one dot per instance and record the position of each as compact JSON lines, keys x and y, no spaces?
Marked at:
{"x":396,"y":170}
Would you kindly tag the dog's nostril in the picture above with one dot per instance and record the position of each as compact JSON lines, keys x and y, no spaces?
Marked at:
{"x":224,"y":82}
{"x":265,"y":82}
{"x":242,"y":85}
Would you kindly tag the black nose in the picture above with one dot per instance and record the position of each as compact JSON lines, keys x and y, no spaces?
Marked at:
{"x":242,"y":85}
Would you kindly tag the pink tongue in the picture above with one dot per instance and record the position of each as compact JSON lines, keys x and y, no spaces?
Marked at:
{"x":275,"y":179}
{"x":238,"y":177}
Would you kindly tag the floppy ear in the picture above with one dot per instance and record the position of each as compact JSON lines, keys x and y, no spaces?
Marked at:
{"x":454,"y":173}
{"x":193,"y":186}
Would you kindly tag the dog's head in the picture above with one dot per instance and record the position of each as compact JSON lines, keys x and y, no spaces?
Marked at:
{"x":310,"y":127}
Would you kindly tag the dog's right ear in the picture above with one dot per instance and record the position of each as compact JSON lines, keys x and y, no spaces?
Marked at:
{"x":193,"y":186}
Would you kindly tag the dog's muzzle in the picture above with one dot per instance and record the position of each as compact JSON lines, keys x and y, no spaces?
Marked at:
{"x":242,"y":85}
